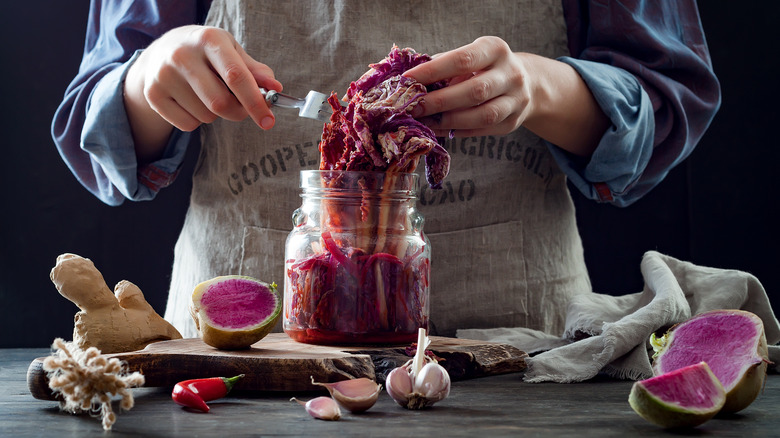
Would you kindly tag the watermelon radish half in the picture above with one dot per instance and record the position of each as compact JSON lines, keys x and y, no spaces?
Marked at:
{"x":233,"y":312}
{"x":733,"y":344}
{"x":686,"y":397}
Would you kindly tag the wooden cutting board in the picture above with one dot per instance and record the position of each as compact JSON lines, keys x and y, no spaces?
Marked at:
{"x":277,"y":363}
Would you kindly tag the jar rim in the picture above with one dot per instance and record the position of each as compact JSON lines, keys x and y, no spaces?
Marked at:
{"x":359,"y":180}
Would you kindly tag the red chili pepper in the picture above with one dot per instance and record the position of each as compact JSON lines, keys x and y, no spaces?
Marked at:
{"x":196,"y":392}
{"x":186,"y":397}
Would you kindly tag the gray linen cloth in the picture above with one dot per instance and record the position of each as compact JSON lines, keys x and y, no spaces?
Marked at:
{"x":610,"y":334}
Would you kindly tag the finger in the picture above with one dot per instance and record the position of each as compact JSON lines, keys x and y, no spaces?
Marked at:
{"x":435,"y":104}
{"x":174,"y":114}
{"x":498,"y":116}
{"x":472,"y":57}
{"x":460,"y":133}
{"x":471,"y":92}
{"x":169,"y":93}
{"x":192,"y":101}
{"x":264,"y":75}
{"x":230,"y":66}
{"x":462,"y":78}
{"x":207,"y":91}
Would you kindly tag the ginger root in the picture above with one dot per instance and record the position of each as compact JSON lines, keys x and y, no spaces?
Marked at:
{"x":86,"y":380}
{"x":111,"y":322}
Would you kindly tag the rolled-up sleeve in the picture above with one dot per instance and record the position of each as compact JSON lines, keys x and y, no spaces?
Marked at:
{"x":107,"y":138}
{"x":648,"y":67}
{"x":90,"y":127}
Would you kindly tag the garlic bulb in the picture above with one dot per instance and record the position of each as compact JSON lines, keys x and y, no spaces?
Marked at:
{"x":420,"y":382}
{"x":321,"y":408}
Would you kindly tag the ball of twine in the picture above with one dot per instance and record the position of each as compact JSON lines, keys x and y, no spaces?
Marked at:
{"x":87,"y":380}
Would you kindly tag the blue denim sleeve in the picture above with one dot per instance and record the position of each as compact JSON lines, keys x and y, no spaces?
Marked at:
{"x":107,"y":138}
{"x":649,"y":68}
{"x":90,"y":127}
{"x":626,"y":147}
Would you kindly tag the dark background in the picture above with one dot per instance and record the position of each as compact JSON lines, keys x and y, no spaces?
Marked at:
{"x":715,"y":209}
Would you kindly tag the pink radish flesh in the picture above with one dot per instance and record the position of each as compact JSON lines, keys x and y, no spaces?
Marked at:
{"x":715,"y":335}
{"x":691,"y":387}
{"x":238,"y":303}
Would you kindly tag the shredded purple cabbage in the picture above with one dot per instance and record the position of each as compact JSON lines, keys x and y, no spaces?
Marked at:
{"x":343,"y":295}
{"x":376,"y":131}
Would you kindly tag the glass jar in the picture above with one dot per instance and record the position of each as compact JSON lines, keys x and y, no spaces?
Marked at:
{"x":357,"y":263}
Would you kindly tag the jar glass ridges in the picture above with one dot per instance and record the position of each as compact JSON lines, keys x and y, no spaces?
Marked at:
{"x":357,"y":263}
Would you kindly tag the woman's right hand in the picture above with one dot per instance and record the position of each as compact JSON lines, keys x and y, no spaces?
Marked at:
{"x":189,"y":76}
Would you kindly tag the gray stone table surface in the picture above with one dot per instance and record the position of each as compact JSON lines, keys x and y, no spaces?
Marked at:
{"x":486,"y":407}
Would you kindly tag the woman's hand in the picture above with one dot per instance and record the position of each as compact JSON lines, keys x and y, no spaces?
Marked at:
{"x":494,"y":91}
{"x":488,"y":91}
{"x":189,"y":76}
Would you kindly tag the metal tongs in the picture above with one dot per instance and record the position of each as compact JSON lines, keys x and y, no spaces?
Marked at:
{"x":314,"y":106}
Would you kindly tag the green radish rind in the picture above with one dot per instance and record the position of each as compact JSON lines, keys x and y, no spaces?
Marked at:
{"x":651,"y":406}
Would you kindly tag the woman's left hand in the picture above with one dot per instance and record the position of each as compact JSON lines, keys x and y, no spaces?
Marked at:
{"x":494,"y":91}
{"x":490,"y":90}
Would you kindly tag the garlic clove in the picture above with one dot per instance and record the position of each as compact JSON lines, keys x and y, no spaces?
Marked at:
{"x":433,"y":382}
{"x":399,"y":385}
{"x":354,"y":395}
{"x":321,"y":408}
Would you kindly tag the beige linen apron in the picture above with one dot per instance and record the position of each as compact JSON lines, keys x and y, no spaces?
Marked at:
{"x":505,"y":247}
